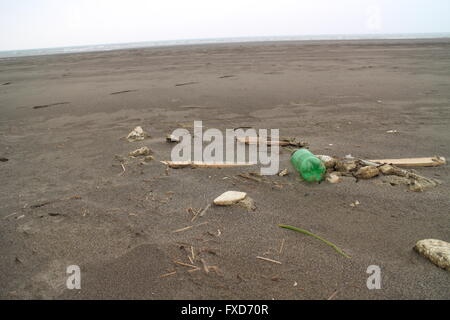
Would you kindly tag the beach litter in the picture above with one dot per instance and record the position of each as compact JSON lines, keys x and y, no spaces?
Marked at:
{"x":369,"y":169}
{"x":200,"y":164}
{"x":414,"y":162}
{"x":317,"y":237}
{"x":367,"y":172}
{"x":144,"y":151}
{"x":2,"y":159}
{"x":333,"y":178}
{"x":285,"y":142}
{"x":137,"y":134}
{"x":436,"y":251}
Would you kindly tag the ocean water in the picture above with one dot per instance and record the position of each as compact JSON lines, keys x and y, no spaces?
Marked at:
{"x":147,"y":44}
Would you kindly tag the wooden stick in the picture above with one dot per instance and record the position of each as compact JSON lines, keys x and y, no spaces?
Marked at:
{"x":269,"y":260}
{"x":167,"y":274}
{"x":281,"y":247}
{"x":190,"y":227}
{"x":414,"y":162}
{"x":185,"y":264}
{"x":199,"y":164}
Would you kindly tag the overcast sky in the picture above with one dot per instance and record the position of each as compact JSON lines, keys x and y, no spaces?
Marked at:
{"x":26,"y":24}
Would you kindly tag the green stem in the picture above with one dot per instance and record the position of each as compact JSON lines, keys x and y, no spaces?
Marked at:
{"x":317,"y":237}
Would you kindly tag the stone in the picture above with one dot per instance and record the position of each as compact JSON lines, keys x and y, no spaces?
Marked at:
{"x":387,"y":169}
{"x":247,"y":203}
{"x":346,"y":165}
{"x":144,"y":151}
{"x":137,"y":134}
{"x":229,"y":198}
{"x":367,"y":172}
{"x":328,"y":161}
{"x":436,"y":251}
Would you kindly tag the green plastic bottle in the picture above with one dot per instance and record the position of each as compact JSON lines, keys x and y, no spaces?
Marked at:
{"x":308,"y":165}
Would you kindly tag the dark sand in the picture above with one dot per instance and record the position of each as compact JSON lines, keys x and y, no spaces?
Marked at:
{"x":341,"y":97}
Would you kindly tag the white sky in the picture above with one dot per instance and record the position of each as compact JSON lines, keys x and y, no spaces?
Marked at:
{"x":26,"y":24}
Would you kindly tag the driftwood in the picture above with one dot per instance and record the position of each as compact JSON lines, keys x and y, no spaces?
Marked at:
{"x":281,"y":142}
{"x":199,"y":164}
{"x":414,"y":162}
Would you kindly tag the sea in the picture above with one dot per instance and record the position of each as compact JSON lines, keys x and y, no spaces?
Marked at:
{"x":148,"y":44}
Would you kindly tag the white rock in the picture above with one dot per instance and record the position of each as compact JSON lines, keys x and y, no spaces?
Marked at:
{"x":436,"y":250}
{"x":229,"y":198}
{"x":137,"y":134}
{"x":333,"y":178}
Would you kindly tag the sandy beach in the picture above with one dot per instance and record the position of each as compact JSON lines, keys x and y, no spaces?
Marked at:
{"x":66,"y":199}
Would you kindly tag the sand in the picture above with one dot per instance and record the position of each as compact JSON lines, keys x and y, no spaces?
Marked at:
{"x":65,"y":198}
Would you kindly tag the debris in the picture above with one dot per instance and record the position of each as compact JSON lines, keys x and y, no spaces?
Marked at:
{"x":248,"y":203}
{"x":396,"y":180}
{"x":346,"y":165}
{"x":144,"y":151}
{"x":34,"y":206}
{"x":387,"y":169}
{"x":124,"y":91}
{"x":137,"y":134}
{"x":420,"y":185}
{"x":148,"y":158}
{"x":289,"y":142}
{"x":269,"y":260}
{"x":167,"y":274}
{"x":416,"y":182}
{"x":229,"y":198}
{"x":199,"y":164}
{"x":280,"y":251}
{"x":333,"y":295}
{"x":2,"y":159}
{"x":328,"y":161}
{"x":367,"y":172}
{"x":10,"y":215}
{"x":185,"y":264}
{"x":317,"y":237}
{"x":189,"y":227}
{"x":310,"y":167}
{"x":172,"y":138}
{"x":123,"y":169}
{"x":283,"y":173}
{"x":50,"y":105}
{"x":205,"y":266}
{"x":414,"y":162}
{"x":185,"y":84}
{"x":250,"y":176}
{"x":355,"y":204}
{"x":392,"y":131}
{"x":333,"y":178}
{"x":202,"y":213}
{"x":436,"y":251}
